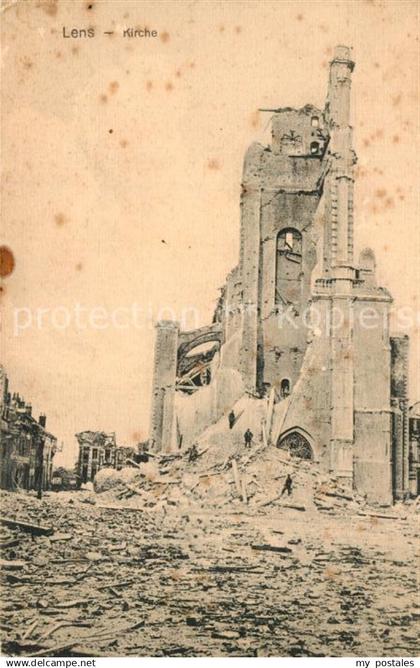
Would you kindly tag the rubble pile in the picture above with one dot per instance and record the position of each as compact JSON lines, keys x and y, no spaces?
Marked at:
{"x":220,"y":473}
{"x":247,"y":479}
{"x":84,"y":580}
{"x":205,"y":553}
{"x":223,"y":473}
{"x":108,"y":478}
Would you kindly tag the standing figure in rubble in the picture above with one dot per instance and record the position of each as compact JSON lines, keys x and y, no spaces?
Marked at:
{"x":287,"y":487}
{"x":248,"y":436}
{"x":193,"y":453}
{"x":231,"y":419}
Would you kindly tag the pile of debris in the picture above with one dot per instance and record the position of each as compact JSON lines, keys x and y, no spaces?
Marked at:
{"x":330,"y":496}
{"x":248,"y":479}
{"x":208,"y":552}
{"x":85,"y":580}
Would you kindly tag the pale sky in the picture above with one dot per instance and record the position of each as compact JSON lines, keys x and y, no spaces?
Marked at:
{"x":148,"y":214}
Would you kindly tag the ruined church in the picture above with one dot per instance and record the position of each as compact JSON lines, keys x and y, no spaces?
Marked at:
{"x":301,"y":326}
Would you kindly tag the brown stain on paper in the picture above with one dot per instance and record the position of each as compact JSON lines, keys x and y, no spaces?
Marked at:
{"x":50,"y":7}
{"x":7,"y":261}
{"x":213,"y":164}
{"x":60,"y":219}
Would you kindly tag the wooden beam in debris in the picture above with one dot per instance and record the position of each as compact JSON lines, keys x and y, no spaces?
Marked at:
{"x":34,"y":529}
{"x":236,"y":476}
{"x":192,"y":387}
{"x":133,"y":463}
{"x":264,"y":433}
{"x":336,"y":495}
{"x":31,"y":628}
{"x":271,"y":548}
{"x":243,"y":489}
{"x":219,"y":568}
{"x":293,"y":506}
{"x":55,"y":650}
{"x":267,"y":503}
{"x":382,"y":516}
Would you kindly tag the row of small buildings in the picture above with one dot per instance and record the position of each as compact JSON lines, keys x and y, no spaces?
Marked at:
{"x":98,"y":450}
{"x":27,"y":448}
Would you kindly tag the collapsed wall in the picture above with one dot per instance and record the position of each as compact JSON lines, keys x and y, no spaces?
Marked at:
{"x":194,"y":413}
{"x":290,"y":324}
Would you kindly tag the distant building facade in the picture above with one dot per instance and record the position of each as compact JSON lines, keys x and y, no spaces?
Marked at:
{"x":27,"y":448}
{"x":98,"y":450}
{"x":300,"y":320}
{"x":414,"y":453}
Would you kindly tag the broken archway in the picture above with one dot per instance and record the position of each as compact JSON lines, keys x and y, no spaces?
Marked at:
{"x":196,"y":351}
{"x":296,"y":444}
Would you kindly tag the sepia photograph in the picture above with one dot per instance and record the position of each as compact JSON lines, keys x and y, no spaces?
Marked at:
{"x":210,"y":330}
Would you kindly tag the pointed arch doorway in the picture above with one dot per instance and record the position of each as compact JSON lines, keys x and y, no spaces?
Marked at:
{"x":296,"y":444}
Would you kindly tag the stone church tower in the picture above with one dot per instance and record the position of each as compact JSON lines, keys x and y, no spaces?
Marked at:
{"x":299,"y":321}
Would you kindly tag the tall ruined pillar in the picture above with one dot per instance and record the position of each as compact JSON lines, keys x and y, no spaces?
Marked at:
{"x":163,"y":392}
{"x":340,"y":182}
{"x":339,"y":260}
{"x":249,"y":265}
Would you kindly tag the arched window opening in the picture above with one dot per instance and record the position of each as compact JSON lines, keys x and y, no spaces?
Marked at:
{"x":288,"y":266}
{"x":314,"y":148}
{"x":315,"y":122}
{"x":297,"y":445}
{"x":284,"y":388}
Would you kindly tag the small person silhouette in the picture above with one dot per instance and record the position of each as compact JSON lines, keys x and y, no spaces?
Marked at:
{"x":193,"y":453}
{"x":248,"y":437}
{"x":231,"y":419}
{"x":288,"y":484}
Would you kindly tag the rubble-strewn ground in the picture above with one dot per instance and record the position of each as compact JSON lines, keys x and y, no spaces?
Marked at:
{"x":172,"y":561}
